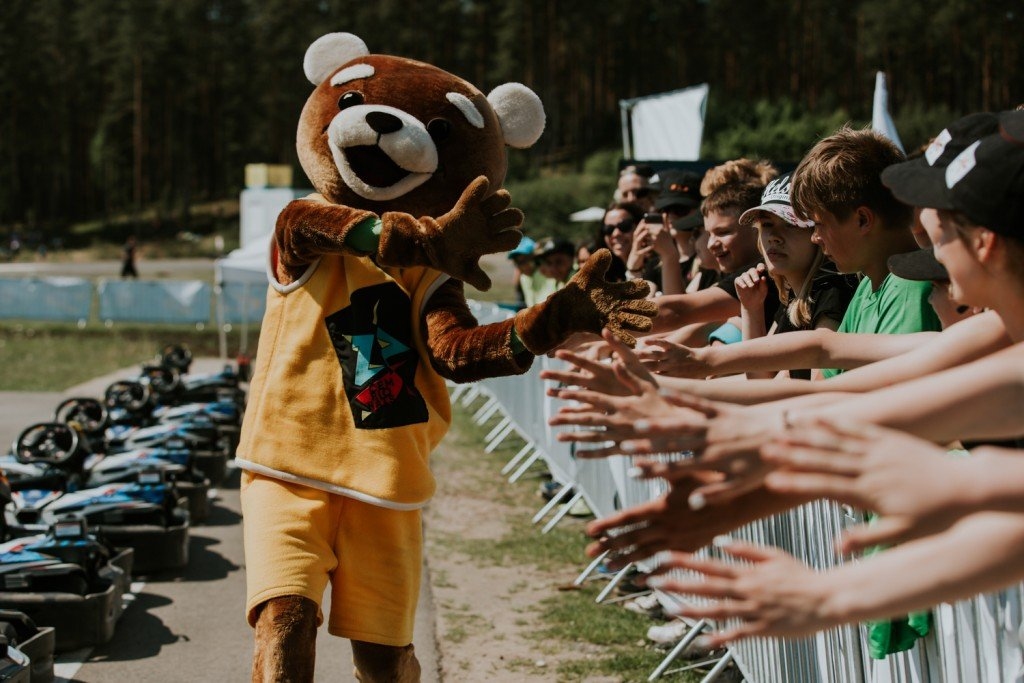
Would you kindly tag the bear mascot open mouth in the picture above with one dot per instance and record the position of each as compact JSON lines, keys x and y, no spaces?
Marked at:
{"x":373,"y":166}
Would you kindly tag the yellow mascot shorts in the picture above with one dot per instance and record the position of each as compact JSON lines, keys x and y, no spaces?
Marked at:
{"x":298,"y":538}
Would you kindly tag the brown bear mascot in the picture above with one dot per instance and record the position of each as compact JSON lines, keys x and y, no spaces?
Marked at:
{"x":366,"y":317}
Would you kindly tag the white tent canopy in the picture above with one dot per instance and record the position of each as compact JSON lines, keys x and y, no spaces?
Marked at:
{"x":246,"y":266}
{"x":665,"y":126}
{"x":590,"y":214}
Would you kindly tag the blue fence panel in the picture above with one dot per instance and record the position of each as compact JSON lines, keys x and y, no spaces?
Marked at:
{"x":152,"y":301}
{"x":243,"y":302}
{"x":50,"y":298}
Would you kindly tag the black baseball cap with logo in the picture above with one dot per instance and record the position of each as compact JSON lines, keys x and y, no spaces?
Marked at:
{"x":677,"y":188}
{"x":978,"y":172}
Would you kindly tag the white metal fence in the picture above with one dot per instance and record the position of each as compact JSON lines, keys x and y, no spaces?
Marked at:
{"x":977,"y":640}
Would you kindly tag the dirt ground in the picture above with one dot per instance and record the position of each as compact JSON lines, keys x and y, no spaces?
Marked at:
{"x":487,"y":613}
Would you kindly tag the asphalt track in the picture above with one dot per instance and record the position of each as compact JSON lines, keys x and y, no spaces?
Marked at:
{"x":189,"y":625}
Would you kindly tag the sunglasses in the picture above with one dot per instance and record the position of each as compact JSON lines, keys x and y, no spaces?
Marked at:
{"x":640,"y":192}
{"x":624,"y":227}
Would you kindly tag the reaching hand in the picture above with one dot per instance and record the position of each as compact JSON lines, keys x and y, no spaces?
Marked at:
{"x":665,"y":523}
{"x":596,"y":376}
{"x":675,"y":360}
{"x":910,"y":482}
{"x":635,"y":422}
{"x":752,"y":288}
{"x":775,"y":595}
{"x":640,"y":250}
{"x":478,"y":224}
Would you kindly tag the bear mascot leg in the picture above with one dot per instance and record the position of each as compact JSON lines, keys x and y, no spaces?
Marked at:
{"x":384,"y":663}
{"x":286,"y":648}
{"x":285,"y":640}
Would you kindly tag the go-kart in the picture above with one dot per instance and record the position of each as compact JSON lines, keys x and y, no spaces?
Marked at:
{"x":34,"y":642}
{"x":148,"y":515}
{"x":66,"y":579}
{"x":90,"y":417}
{"x":172,"y":385}
{"x":208,"y":434}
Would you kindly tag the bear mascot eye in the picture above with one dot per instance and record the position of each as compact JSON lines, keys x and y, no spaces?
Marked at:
{"x":439,"y":129}
{"x":350,"y":99}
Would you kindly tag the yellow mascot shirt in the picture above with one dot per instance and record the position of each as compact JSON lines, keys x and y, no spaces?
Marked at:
{"x":343,"y":396}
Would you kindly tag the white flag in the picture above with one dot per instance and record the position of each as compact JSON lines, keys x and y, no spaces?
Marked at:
{"x":881,"y":121}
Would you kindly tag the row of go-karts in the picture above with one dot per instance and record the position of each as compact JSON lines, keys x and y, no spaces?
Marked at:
{"x":107,"y":488}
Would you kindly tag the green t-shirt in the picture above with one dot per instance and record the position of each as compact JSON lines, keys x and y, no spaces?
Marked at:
{"x":898,"y":307}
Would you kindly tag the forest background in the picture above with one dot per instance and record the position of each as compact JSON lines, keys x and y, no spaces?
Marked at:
{"x":121,"y":116}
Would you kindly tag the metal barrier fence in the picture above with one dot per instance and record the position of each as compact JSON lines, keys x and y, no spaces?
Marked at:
{"x":154,"y":301}
{"x":70,"y":299}
{"x":977,"y":640}
{"x":52,"y":298}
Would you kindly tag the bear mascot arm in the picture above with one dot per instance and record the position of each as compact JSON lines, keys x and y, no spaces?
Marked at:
{"x":414,"y":155}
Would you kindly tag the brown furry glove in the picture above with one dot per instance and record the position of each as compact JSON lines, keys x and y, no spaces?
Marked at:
{"x":587,"y":303}
{"x":454,"y":242}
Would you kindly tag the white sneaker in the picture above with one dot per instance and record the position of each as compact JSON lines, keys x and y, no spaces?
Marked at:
{"x":580,"y":509}
{"x":645,"y":604}
{"x":667,"y":634}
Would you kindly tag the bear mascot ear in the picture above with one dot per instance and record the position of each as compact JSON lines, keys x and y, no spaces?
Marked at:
{"x":520,"y":112}
{"x":330,"y":51}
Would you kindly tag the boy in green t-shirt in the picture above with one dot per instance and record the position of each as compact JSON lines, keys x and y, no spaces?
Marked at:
{"x":859,"y":224}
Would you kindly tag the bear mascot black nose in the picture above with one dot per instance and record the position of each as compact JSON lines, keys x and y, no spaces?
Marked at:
{"x":383,"y":122}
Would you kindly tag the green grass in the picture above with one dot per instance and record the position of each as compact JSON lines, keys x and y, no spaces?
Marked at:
{"x":53,"y":357}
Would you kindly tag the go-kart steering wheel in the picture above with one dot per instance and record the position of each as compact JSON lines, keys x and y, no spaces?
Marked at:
{"x":52,"y":443}
{"x":163,"y":379}
{"x":132,"y":396}
{"x":177,"y":356}
{"x":89,"y":413}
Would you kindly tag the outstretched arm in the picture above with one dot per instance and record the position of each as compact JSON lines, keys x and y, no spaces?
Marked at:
{"x":791,"y":351}
{"x":979,"y":400}
{"x":776,"y":595}
{"x":460,"y":348}
{"x":464,"y":351}
{"x":707,"y":305}
{"x":916,"y":487}
{"x":965,"y":342}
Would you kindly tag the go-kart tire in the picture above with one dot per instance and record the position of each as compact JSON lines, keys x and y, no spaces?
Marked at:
{"x":155,"y":547}
{"x":79,"y":620}
{"x":212,"y":464}
{"x":197,"y":493}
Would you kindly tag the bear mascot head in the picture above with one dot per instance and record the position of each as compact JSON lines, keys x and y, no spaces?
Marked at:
{"x":392,"y":134}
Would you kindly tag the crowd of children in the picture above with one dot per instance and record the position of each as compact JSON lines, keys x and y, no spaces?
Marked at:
{"x":919,"y":359}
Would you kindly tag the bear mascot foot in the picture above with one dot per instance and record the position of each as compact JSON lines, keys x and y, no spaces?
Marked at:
{"x":285,"y":641}
{"x":385,"y":664}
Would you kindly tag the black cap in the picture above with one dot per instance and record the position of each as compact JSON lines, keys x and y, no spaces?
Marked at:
{"x":982,"y":177}
{"x":917,"y":265}
{"x":689,"y":222}
{"x":677,"y":188}
{"x":552,"y":245}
